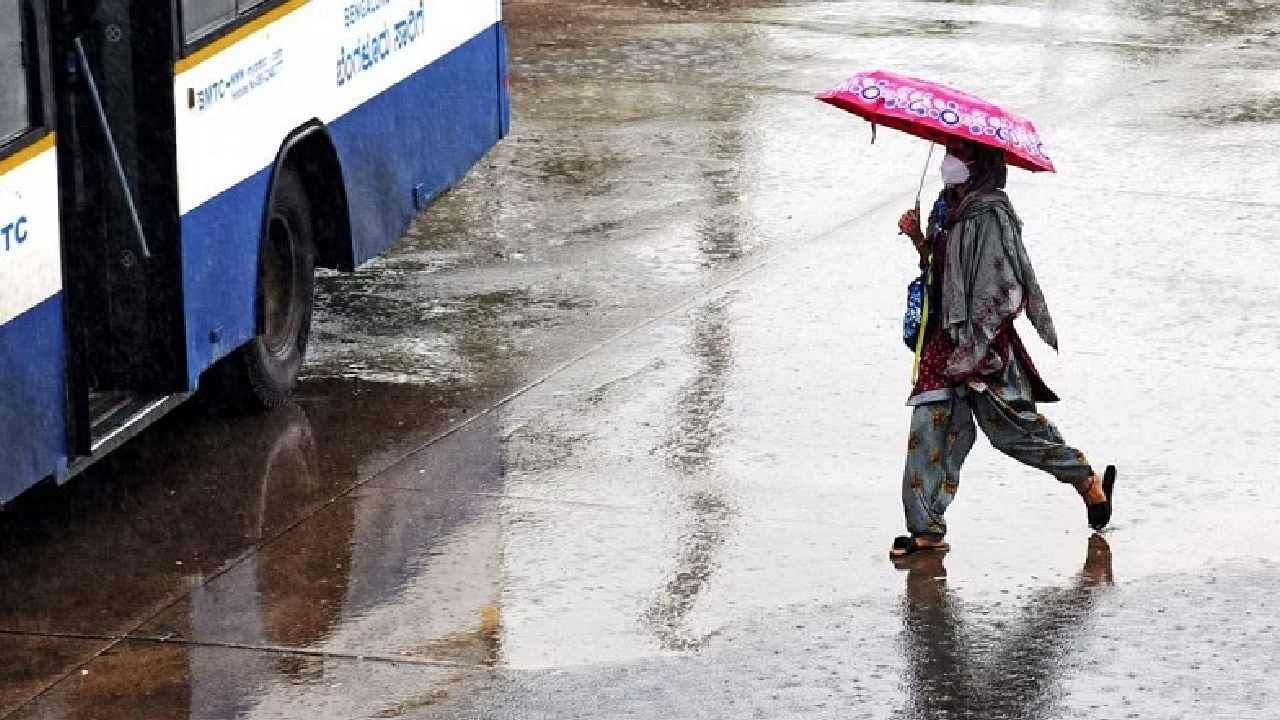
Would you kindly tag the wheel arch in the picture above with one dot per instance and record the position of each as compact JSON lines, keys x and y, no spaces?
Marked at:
{"x":309,"y":150}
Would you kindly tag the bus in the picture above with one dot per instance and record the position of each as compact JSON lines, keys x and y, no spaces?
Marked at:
{"x":172,"y":173}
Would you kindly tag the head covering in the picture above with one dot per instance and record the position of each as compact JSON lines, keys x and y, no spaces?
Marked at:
{"x":987,"y":170}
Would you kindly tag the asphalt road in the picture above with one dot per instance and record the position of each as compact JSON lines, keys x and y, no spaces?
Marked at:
{"x":617,"y":430}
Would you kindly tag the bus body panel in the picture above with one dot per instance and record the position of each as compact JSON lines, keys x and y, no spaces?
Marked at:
{"x":412,"y":93}
{"x":406,"y":146}
{"x":33,"y":358}
{"x":220,"y":243}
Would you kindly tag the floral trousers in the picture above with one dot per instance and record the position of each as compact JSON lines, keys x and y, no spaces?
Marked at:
{"x":943,"y":432}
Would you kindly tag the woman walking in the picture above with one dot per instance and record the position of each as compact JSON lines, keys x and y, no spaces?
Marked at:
{"x":970,"y":364}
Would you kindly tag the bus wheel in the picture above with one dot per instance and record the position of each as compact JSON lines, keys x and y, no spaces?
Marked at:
{"x":263,"y":372}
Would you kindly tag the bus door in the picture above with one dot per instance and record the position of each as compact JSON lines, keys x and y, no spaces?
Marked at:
{"x":121,"y":244}
{"x":32,"y":341}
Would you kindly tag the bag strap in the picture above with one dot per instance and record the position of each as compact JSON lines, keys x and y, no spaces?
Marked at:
{"x":924,"y":324}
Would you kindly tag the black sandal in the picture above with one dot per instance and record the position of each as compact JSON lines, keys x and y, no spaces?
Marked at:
{"x":1100,"y":513}
{"x":908,"y":546}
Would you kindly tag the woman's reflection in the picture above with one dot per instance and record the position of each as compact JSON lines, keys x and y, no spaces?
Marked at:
{"x":1001,"y":671}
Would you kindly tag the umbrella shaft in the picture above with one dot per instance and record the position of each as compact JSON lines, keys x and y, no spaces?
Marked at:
{"x":923,"y":174}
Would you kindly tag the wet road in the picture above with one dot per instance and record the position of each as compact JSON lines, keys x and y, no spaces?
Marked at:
{"x":617,"y":430}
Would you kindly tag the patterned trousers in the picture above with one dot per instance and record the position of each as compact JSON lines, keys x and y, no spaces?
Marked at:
{"x":942,"y":433}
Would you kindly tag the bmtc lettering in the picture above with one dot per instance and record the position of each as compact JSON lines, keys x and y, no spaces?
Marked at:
{"x":14,"y":233}
{"x":211,"y":94}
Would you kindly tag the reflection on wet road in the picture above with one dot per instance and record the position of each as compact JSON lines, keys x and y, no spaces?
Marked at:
{"x":615,"y":431}
{"x":267,"y":535}
{"x":1013,"y":672}
{"x":690,"y":449}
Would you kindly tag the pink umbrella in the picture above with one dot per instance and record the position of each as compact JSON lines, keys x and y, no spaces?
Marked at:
{"x":938,"y":113}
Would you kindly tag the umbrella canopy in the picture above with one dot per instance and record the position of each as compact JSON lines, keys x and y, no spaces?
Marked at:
{"x":939,"y":113}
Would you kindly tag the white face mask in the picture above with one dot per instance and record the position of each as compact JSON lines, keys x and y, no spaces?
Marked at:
{"x":954,"y":171}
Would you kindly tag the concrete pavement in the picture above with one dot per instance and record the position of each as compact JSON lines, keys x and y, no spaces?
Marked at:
{"x":617,"y":430}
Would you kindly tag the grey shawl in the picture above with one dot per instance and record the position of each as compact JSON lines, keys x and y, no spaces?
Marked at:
{"x":988,"y":279}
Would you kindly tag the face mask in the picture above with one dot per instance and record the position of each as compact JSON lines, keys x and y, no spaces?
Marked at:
{"x":954,"y":171}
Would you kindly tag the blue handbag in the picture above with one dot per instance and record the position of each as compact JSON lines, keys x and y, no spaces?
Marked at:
{"x":915,"y":309}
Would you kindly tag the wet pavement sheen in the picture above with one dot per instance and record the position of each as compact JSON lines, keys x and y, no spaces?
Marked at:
{"x":616,"y":430}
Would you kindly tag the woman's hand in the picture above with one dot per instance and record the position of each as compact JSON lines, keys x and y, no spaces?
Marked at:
{"x":909,"y":225}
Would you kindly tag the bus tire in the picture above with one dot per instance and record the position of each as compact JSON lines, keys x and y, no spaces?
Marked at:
{"x":265,"y":370}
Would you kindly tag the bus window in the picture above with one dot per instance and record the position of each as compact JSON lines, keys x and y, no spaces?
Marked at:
{"x":15,"y":114}
{"x":201,"y":17}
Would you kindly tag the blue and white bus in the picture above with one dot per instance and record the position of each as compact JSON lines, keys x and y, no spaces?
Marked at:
{"x":173,"y":171}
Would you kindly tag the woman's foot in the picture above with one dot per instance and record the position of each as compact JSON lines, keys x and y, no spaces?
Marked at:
{"x":905,"y":545}
{"x":1097,"y":492}
{"x":1091,"y":490}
